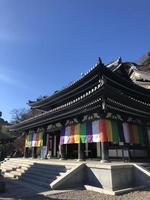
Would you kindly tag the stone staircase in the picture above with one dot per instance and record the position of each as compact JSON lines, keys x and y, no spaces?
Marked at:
{"x":146,"y":166}
{"x":40,"y":173}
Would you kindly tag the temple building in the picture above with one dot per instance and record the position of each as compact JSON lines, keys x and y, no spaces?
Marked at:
{"x":103,"y":115}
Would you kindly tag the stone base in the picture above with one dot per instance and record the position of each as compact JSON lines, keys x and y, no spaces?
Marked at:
{"x":62,"y":159}
{"x":104,"y":161}
{"x":80,"y":160}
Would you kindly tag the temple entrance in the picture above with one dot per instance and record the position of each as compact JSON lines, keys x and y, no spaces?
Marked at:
{"x":89,"y":150}
{"x":53,"y":145}
{"x":71,"y":151}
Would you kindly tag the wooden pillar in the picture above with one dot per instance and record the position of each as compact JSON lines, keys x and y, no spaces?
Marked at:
{"x":80,"y":151}
{"x":86,"y":150}
{"x":32,"y":152}
{"x":98,"y":147}
{"x":54,"y":148}
{"x":103,"y":135}
{"x":104,"y":152}
{"x":25,"y":153}
{"x":63,"y":151}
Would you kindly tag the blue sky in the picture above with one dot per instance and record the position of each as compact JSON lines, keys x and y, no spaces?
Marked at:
{"x":45,"y":44}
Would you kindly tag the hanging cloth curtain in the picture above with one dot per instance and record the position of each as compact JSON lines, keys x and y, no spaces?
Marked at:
{"x":27,"y":140}
{"x":34,"y":140}
{"x":89,"y":131}
{"x":62,"y":134}
{"x":103,"y":134}
{"x":40,"y":139}
{"x":72,"y":129}
{"x":30,"y":138}
{"x":140,"y":135}
{"x":135,"y":132}
{"x":145,"y":135}
{"x":67,"y":135}
{"x":120,"y":129}
{"x":126,"y":132}
{"x":96,"y":131}
{"x":115,"y":131}
{"x":109,"y":130}
{"x":131,"y":133}
{"x":77,"y":134}
{"x":83,"y":131}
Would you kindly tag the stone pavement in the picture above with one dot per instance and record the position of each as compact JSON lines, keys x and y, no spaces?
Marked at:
{"x":16,"y":190}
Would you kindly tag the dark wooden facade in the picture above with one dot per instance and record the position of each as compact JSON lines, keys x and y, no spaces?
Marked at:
{"x":105,"y":90}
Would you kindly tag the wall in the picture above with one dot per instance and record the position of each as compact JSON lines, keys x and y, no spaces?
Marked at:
{"x":110,"y":177}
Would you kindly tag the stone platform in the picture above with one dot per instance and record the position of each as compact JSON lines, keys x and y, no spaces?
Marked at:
{"x":110,"y":178}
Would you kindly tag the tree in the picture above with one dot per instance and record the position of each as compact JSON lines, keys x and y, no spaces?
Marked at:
{"x":3,"y":123}
{"x":22,"y":114}
{"x":19,"y":115}
{"x":145,"y":62}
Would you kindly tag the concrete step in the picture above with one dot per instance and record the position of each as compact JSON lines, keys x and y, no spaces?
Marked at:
{"x":53,"y":171}
{"x":20,"y":170}
{"x":8,"y":169}
{"x":36,"y":188}
{"x":34,"y":182}
{"x":9,"y":175}
{"x":34,"y":174}
{"x":62,"y":173}
{"x":39,"y":162}
{"x":52,"y":167}
{"x":14,"y":165}
{"x":38,"y":178}
{"x":44,"y":175}
{"x":39,"y":172}
{"x":15,"y":174}
{"x":146,"y":167}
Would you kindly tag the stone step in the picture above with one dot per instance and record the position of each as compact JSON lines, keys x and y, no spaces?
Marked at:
{"x":9,"y":175}
{"x":8,"y":169}
{"x":147,"y":167}
{"x":33,"y":175}
{"x":62,"y":173}
{"x":21,"y":170}
{"x":37,"y":173}
{"x":52,"y":167}
{"x":43,"y":170}
{"x":15,"y":165}
{"x":38,"y":178}
{"x":34,"y":182}
{"x":15,"y":174}
{"x":34,"y":187}
{"x":46,"y":175}
{"x":44,"y":162}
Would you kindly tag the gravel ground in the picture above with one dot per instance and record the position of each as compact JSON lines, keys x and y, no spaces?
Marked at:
{"x":15,"y":191}
{"x":87,"y":195}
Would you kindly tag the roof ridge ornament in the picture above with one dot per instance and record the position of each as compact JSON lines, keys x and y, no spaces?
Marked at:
{"x":119,"y":60}
{"x":99,"y":61}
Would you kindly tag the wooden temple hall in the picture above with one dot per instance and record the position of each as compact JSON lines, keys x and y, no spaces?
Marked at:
{"x":105,"y":115}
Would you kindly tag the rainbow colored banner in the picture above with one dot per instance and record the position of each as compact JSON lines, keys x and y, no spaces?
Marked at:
{"x":28,"y":139}
{"x":34,"y":139}
{"x":103,"y":130}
